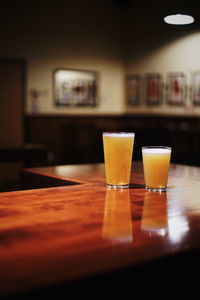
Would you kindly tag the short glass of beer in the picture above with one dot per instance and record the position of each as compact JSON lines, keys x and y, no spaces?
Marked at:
{"x":118,"y":150}
{"x":156,"y":162}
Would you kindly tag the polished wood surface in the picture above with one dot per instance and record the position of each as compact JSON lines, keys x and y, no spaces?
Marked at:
{"x":59,"y":235}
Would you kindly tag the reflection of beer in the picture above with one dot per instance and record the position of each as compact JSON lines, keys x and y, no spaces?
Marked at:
{"x":117,"y":224}
{"x":156,"y":162}
{"x":118,"y":149}
{"x":154,"y":214}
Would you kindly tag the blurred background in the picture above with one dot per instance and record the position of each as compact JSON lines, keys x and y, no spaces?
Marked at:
{"x":114,"y":38}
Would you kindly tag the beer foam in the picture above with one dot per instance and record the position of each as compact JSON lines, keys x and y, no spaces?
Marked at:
{"x":119,"y":134}
{"x":156,"y":150}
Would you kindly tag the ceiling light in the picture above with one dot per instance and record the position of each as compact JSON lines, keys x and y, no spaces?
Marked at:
{"x":179,"y":19}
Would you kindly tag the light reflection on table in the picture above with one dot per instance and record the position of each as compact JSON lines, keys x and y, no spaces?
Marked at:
{"x":164,"y":214}
{"x":178,"y":224}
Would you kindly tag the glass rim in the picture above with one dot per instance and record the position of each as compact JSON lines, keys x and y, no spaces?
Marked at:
{"x":156,"y":147}
{"x":123,"y":133}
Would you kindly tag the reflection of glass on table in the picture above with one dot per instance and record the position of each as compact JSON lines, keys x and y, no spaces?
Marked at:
{"x":117,"y":225}
{"x":154,"y":214}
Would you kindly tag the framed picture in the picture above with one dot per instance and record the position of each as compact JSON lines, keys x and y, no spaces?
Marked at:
{"x":133,"y":89}
{"x":154,"y":89}
{"x":176,"y":88}
{"x":75,"y":87}
{"x":195,"y":88}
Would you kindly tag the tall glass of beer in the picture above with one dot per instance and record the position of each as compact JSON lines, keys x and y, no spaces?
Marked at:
{"x":118,"y":150}
{"x":156,"y":162}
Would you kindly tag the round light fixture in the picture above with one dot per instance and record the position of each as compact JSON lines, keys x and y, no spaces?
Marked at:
{"x":179,"y":19}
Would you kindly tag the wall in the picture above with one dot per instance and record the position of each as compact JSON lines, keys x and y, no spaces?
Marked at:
{"x":181,"y":55}
{"x":162,"y":48}
{"x":97,"y":35}
{"x":110,"y":93}
{"x":65,"y":34}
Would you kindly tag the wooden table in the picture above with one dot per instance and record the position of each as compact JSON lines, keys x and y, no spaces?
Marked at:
{"x":81,"y":234}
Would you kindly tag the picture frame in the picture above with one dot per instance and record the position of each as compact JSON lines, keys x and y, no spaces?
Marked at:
{"x":176,"y":88}
{"x":195,"y":88}
{"x":154,"y":88}
{"x":133,"y":89}
{"x":73,"y":87}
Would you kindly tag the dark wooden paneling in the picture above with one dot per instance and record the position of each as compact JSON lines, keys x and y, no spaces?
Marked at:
{"x":12,"y":93}
{"x":78,"y":139}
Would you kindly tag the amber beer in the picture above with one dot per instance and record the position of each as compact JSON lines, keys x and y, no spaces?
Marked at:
{"x":118,"y":150}
{"x":156,"y":161}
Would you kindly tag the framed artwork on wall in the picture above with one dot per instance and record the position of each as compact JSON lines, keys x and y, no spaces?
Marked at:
{"x":195,"y":88}
{"x":75,"y":87}
{"x":176,"y":88}
{"x":133,"y":89}
{"x":154,"y":89}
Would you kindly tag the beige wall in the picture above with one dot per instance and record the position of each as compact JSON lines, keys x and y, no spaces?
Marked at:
{"x":179,"y":55}
{"x":88,"y":36}
{"x":110,"y":92}
{"x":66,"y":34}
